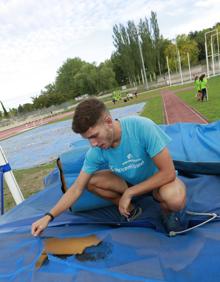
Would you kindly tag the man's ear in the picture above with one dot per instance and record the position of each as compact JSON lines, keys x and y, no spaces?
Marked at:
{"x":108,"y":120}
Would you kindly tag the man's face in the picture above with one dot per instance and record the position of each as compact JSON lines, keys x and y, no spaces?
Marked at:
{"x":102,"y":134}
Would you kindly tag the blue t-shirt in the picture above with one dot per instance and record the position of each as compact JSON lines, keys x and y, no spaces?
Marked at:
{"x":141,"y":140}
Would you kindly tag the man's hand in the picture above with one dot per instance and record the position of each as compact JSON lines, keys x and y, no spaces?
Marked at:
{"x":124,"y":204}
{"x":39,"y":225}
{"x":68,"y":199}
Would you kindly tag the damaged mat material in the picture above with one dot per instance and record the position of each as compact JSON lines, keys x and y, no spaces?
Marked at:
{"x":136,"y":251}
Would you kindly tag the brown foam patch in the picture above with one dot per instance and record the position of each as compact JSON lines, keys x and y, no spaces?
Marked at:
{"x":41,"y":259}
{"x":66,"y":246}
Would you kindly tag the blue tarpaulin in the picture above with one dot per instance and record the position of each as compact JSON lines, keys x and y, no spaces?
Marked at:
{"x":195,"y":147}
{"x":138,"y":251}
{"x":1,"y":191}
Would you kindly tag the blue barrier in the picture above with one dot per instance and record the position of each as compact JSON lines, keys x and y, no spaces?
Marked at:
{"x":2,"y":191}
{"x":3,"y":169}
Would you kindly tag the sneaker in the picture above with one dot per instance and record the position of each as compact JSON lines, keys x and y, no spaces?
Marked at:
{"x":134,"y":214}
{"x":171,"y":222}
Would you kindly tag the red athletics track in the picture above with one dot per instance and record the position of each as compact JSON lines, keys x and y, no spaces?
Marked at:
{"x":175,"y":110}
{"x":30,"y":125}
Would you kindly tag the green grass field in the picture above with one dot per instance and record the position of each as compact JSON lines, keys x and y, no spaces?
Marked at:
{"x":31,"y":180}
{"x":211,"y":109}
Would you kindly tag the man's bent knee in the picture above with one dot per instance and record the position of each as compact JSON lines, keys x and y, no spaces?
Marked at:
{"x":173,"y":195}
{"x":107,"y":180}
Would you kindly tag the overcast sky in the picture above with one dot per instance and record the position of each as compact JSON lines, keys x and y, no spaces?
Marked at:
{"x":36,"y":37}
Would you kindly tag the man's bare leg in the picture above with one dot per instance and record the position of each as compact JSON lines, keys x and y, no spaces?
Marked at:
{"x":172,"y":196}
{"x":108,"y":186}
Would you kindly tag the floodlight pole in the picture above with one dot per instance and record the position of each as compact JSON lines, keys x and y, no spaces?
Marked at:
{"x":212,"y":50}
{"x":180,"y":68}
{"x":217,"y":33}
{"x":168,"y":68}
{"x":190,"y":74}
{"x":206,"y":56}
{"x":179,"y":61}
{"x":142,"y":62}
{"x":213,"y":59}
{"x":206,"y":51}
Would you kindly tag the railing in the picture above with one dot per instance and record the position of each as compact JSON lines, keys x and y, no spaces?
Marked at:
{"x":7,"y":174}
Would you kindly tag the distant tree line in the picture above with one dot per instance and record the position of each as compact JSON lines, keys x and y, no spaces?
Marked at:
{"x":76,"y":77}
{"x":127,"y":61}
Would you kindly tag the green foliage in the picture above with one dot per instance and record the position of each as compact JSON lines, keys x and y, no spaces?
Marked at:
{"x":126,"y":59}
{"x":157,"y":41}
{"x":6,"y":114}
{"x":199,"y":37}
{"x":125,"y":41}
{"x":13,"y":112}
{"x":106,"y":77}
{"x":148,"y":46}
{"x":171,"y":53}
{"x":117,"y":68}
{"x":85,"y":80}
{"x":185,"y":45}
{"x":74,"y":78}
{"x":65,"y":81}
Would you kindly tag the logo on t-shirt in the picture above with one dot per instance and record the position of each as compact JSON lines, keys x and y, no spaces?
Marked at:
{"x":131,"y":163}
{"x":129,"y":156}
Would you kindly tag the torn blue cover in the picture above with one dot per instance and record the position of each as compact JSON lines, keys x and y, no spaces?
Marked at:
{"x":195,"y":147}
{"x":137,"y":251}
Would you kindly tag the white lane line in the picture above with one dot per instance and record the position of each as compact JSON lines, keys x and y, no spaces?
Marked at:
{"x":192,"y":110}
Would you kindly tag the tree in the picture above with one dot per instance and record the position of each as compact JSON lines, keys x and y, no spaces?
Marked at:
{"x":122,"y":43}
{"x":86,"y":79}
{"x":187,"y":45}
{"x":127,"y":60}
{"x":65,"y":83}
{"x":171,"y":52}
{"x":149,"y":53}
{"x":157,"y":40}
{"x":13,"y":112}
{"x":27,"y":107}
{"x":20,"y":109}
{"x":6,"y":114}
{"x":120,"y":74}
{"x":105,"y":77}
{"x":164,"y":43}
{"x":199,"y":38}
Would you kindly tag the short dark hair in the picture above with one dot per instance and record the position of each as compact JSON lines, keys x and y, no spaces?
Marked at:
{"x":87,"y":114}
{"x":202,"y":77}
